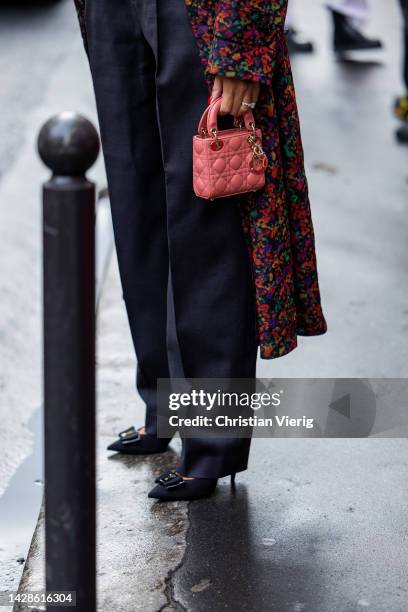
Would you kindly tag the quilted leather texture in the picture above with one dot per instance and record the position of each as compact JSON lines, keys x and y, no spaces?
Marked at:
{"x":227,"y":172}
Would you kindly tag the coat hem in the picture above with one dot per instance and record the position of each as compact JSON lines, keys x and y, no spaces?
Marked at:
{"x":274,"y":350}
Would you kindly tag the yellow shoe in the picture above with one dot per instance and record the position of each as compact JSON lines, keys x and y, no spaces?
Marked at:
{"x":401,"y":108}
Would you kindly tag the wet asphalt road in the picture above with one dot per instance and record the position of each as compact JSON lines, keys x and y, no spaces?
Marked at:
{"x":33,"y":40}
{"x":358,"y":178}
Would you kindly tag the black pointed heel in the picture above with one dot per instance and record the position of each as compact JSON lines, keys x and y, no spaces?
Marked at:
{"x":233,"y":481}
{"x":171,"y":486}
{"x":131,"y":442}
{"x":348,"y":38}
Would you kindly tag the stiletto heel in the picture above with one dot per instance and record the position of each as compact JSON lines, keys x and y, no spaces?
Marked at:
{"x":233,"y":481}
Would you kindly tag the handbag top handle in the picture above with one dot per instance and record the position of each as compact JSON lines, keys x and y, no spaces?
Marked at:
{"x":209,"y":118}
{"x":212,"y":118}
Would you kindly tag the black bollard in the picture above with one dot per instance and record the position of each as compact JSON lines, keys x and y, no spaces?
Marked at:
{"x":68,"y":144}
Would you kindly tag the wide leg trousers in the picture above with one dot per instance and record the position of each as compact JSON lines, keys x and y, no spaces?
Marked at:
{"x":150,"y":92}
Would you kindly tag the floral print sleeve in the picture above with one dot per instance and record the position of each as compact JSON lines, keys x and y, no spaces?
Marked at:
{"x":246,"y":37}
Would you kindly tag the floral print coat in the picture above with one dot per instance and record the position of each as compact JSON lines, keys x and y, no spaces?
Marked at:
{"x":245,"y":39}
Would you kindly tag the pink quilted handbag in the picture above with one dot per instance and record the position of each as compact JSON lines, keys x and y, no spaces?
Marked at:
{"x":227,"y":162}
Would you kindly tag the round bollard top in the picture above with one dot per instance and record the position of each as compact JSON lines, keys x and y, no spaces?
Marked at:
{"x":68,"y":144}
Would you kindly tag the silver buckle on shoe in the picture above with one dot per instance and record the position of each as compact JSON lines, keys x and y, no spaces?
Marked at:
{"x":129,"y":436}
{"x":171,"y":480}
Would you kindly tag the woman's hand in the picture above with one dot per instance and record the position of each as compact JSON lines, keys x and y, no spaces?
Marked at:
{"x":234,"y":92}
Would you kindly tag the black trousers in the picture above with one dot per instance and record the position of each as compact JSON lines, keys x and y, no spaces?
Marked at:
{"x":150,"y":92}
